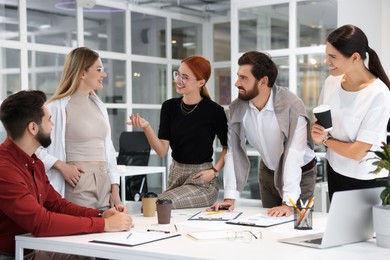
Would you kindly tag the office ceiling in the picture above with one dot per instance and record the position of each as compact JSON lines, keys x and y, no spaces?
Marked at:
{"x":200,"y":8}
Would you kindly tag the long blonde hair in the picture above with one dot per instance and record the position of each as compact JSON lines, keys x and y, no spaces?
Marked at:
{"x":77,"y":61}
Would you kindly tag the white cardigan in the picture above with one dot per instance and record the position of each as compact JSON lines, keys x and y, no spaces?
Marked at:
{"x":56,"y":151}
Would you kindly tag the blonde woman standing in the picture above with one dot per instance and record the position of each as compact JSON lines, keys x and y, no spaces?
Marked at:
{"x":81,"y":162}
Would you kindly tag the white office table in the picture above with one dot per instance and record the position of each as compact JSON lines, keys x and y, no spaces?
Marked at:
{"x":126,"y":171}
{"x":184,"y":247}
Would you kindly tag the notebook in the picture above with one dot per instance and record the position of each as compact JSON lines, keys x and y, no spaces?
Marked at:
{"x":135,"y":238}
{"x":220,"y":215}
{"x":349,"y":220}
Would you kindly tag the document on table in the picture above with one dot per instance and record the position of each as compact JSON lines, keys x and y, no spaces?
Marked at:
{"x":134,"y":238}
{"x":261,"y":220}
{"x":221,"y":215}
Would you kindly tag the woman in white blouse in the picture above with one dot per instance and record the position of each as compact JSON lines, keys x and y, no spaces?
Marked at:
{"x":359,"y":98}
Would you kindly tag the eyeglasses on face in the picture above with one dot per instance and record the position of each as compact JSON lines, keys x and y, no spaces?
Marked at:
{"x":98,"y":69}
{"x":182,"y":78}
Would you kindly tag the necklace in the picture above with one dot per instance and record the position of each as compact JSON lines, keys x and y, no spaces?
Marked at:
{"x":187,"y":110}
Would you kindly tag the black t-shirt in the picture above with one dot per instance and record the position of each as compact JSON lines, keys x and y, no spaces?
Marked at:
{"x":191,"y":136}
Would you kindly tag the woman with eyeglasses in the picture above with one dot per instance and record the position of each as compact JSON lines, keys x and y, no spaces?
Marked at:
{"x":189,"y":125}
{"x":81,"y":161}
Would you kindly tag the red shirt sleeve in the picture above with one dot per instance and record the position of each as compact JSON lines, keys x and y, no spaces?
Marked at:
{"x":29,"y":204}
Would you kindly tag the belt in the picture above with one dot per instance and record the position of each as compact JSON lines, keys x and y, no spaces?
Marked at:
{"x":310,"y":165}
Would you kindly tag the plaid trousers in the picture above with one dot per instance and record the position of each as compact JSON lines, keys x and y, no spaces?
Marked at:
{"x":187,"y":192}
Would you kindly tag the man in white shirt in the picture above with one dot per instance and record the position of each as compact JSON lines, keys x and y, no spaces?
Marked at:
{"x":273,"y":120}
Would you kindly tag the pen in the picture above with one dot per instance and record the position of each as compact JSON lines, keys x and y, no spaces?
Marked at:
{"x":215,"y":212}
{"x":295,"y":207}
{"x":129,"y":235}
{"x":310,"y":203}
{"x":209,"y":218}
{"x":304,"y":213}
{"x":154,"y":230}
{"x":300,"y":224}
{"x":113,"y":202}
{"x":246,"y":223}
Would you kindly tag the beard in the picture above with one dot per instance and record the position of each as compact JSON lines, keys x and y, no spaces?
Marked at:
{"x":43,"y":139}
{"x":249,"y":94}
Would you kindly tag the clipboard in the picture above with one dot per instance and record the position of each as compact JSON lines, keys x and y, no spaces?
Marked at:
{"x":221,"y":215}
{"x":134,"y":238}
{"x":261,"y":220}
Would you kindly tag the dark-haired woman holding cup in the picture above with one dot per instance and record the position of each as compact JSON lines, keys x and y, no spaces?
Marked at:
{"x":359,"y":99}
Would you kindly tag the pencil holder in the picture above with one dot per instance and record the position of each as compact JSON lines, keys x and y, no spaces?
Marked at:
{"x":303,"y":218}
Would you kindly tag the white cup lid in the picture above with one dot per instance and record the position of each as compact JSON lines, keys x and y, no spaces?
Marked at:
{"x":321,"y":108}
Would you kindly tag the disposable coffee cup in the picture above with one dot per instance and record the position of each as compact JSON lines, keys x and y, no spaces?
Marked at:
{"x":149,"y":204}
{"x":303,"y":219}
{"x":324,"y":116}
{"x":164,"y":209}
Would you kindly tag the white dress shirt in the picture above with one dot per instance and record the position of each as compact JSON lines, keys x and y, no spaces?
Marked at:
{"x":263,"y":133}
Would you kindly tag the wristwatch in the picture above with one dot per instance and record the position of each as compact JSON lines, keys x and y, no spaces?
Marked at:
{"x":287,"y":203}
{"x":216,"y":173}
{"x":100,"y":215}
{"x":326,"y":139}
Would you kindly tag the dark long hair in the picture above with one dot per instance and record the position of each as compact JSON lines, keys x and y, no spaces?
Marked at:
{"x":349,"y":39}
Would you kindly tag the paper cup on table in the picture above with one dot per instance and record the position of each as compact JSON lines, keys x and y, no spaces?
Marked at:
{"x":149,"y":204}
{"x":164,"y":208}
{"x":324,"y":116}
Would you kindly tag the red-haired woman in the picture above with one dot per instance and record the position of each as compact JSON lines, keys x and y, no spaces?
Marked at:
{"x":189,"y":125}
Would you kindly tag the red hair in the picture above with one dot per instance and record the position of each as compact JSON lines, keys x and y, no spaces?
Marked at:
{"x":201,"y":68}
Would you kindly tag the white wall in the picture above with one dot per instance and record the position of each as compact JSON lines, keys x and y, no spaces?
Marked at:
{"x":373,"y":18}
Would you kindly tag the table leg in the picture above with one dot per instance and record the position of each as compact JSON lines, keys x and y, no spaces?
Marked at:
{"x":123,"y":189}
{"x":164,"y":180}
{"x":19,"y":251}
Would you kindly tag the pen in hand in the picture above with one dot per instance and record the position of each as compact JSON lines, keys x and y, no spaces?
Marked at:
{"x":113,"y":202}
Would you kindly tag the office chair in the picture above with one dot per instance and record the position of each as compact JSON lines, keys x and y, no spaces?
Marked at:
{"x":134,"y":149}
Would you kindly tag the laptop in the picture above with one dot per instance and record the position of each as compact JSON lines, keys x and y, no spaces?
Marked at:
{"x":349,"y":220}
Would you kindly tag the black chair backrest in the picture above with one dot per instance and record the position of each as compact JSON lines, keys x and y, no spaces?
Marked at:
{"x":134,"y":149}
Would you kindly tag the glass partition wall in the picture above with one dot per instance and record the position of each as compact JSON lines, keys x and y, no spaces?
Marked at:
{"x":140,"y":47}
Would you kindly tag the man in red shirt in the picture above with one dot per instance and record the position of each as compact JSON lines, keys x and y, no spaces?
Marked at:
{"x":28,"y":202}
